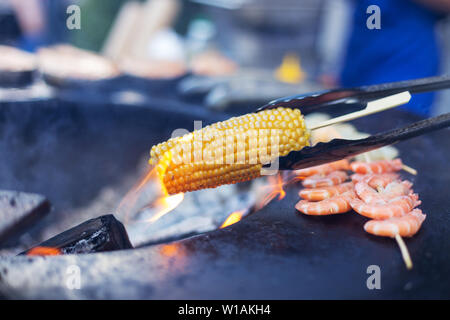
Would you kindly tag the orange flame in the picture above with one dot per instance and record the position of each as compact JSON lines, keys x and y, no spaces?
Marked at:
{"x":44,"y":251}
{"x":170,"y":250}
{"x":143,"y":194}
{"x":295,"y":178}
{"x":173,"y":257}
{"x":232,"y":219}
{"x":275,"y":186}
{"x":166,"y":204}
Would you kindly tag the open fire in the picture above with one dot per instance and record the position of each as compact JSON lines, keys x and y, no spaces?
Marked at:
{"x":233,"y":218}
{"x":148,"y":201}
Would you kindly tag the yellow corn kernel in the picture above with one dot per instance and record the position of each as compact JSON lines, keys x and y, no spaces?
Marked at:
{"x":230,"y":151}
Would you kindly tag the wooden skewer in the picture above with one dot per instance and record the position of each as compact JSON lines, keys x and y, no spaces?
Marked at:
{"x":409,"y":169}
{"x":366,"y":157}
{"x":372,"y":107}
{"x":405,"y":253}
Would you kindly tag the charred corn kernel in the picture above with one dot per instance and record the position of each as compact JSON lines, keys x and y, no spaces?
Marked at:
{"x":230,"y":151}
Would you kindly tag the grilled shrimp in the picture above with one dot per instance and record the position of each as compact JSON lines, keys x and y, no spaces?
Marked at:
{"x":324,"y":168}
{"x":396,"y":207}
{"x":397,"y":188}
{"x":382,"y":195}
{"x":382,"y":166}
{"x":318,"y":194}
{"x":405,"y":226}
{"x":331,"y":179}
{"x":376,"y":181}
{"x":334,"y":205}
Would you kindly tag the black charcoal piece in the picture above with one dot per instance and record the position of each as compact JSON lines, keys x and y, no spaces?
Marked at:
{"x":104,"y":233}
{"x":18,"y":210}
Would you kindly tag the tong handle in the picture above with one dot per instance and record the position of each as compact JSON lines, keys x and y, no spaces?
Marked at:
{"x":413,"y":86}
{"x":310,"y":102}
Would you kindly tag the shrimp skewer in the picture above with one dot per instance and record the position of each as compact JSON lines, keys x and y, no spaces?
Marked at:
{"x":331,"y":179}
{"x":405,"y":226}
{"x":323,"y":193}
{"x":323,"y":168}
{"x":382,"y":195}
{"x":334,"y":205}
{"x":376,"y":181}
{"x":397,"y":188}
{"x":382,"y":166}
{"x":379,"y":211}
{"x":374,"y":192}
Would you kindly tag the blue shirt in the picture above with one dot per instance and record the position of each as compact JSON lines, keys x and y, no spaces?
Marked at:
{"x":405,"y":47}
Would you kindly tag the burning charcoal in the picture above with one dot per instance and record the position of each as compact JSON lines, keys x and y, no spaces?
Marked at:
{"x":19,"y":210}
{"x":104,"y":233}
{"x":44,"y":251}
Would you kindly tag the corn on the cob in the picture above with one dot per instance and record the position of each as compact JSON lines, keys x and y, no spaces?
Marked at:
{"x":230,"y":151}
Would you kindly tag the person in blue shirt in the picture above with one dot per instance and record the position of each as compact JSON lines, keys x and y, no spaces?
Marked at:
{"x":404,"y":47}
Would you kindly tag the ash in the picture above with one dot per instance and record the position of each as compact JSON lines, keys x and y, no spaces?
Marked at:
{"x":88,"y":245}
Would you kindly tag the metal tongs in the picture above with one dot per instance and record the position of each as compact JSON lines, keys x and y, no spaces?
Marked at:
{"x":338,"y":149}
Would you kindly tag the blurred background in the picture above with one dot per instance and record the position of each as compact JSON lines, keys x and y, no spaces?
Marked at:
{"x":243,"y":51}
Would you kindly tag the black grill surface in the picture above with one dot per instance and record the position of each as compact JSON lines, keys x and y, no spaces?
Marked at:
{"x":274,"y":253}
